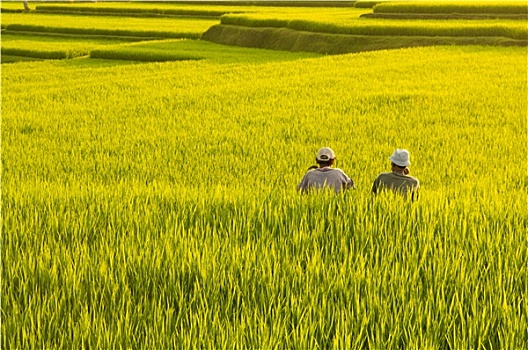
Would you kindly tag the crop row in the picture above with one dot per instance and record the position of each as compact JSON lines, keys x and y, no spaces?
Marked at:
{"x":96,"y":31}
{"x":483,"y":28}
{"x":50,"y":47}
{"x":14,"y":59}
{"x":267,"y":3}
{"x":512,"y":8}
{"x":124,"y":10}
{"x":53,"y":47}
{"x":443,"y":16}
{"x":49,"y":54}
{"x":88,"y":25}
{"x":145,"y":55}
{"x":177,"y":50}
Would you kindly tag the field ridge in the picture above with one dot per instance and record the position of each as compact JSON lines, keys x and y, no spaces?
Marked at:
{"x":325,"y":43}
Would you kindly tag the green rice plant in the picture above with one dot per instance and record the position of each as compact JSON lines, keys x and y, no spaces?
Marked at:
{"x":133,"y":54}
{"x":316,"y":14}
{"x":121,"y":10}
{"x":100,"y":32}
{"x":13,"y":59}
{"x":247,"y":21}
{"x":366,"y":4}
{"x":9,"y":10}
{"x":506,"y":29}
{"x":420,"y":28}
{"x":197,"y":8}
{"x":50,"y":47}
{"x":177,"y":50}
{"x":443,"y":16}
{"x":81,"y":37}
{"x":273,"y":3}
{"x":42,"y":54}
{"x":8,"y":5}
{"x":12,"y":7}
{"x":138,"y":27}
{"x":447,"y":7}
{"x":154,"y":205}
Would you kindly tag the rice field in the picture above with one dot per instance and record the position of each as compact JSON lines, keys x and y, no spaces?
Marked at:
{"x":154,"y":205}
{"x":51,"y":47}
{"x":386,"y":27}
{"x":101,"y":25}
{"x":178,"y":50}
{"x":504,"y":7}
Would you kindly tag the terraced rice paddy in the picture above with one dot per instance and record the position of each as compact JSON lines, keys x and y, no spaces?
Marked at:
{"x":96,"y":25}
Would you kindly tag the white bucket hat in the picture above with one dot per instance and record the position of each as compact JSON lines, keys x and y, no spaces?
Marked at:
{"x":325,"y":154}
{"x":401,"y":157}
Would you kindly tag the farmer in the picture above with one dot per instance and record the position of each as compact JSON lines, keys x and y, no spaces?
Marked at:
{"x":324,"y":175}
{"x":399,"y":180}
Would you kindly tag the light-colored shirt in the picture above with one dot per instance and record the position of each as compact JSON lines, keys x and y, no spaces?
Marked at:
{"x":325,"y":177}
{"x":399,"y":183}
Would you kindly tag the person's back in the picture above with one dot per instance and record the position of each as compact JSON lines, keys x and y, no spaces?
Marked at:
{"x":325,"y":176}
{"x":329,"y":177}
{"x":396,"y":182}
{"x":399,"y":180}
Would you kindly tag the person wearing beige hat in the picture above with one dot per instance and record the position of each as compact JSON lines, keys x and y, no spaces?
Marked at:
{"x":325,"y":176}
{"x":398,"y":180}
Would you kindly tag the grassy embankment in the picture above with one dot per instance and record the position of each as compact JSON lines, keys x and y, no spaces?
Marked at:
{"x":154,"y":205}
{"x":364,"y":35}
{"x":327,"y":35}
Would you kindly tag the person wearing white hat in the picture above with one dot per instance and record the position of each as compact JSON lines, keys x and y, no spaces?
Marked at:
{"x":325,"y":176}
{"x":398,"y":180}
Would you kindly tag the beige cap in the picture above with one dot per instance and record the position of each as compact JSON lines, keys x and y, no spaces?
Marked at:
{"x":325,"y":154}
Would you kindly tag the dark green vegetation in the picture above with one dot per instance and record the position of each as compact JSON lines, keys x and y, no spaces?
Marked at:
{"x":13,"y":28}
{"x":180,"y":50}
{"x":325,"y":43}
{"x":12,"y":58}
{"x":51,"y":47}
{"x":331,"y":38}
